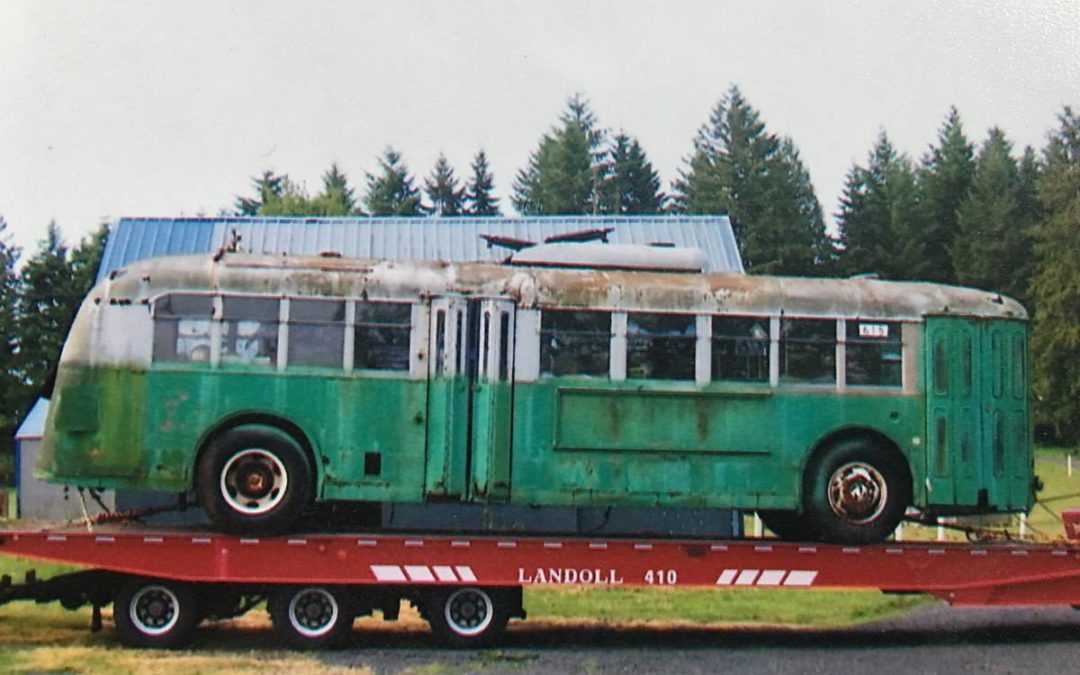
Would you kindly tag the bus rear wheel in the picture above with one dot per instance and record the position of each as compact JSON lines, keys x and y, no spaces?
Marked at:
{"x":856,"y":493}
{"x":253,"y":482}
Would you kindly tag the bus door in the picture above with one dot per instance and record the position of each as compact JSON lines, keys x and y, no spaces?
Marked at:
{"x":977,"y":439}
{"x":448,"y":400}
{"x":491,"y":368}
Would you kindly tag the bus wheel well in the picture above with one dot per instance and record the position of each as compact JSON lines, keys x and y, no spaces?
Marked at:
{"x":876,"y":438}
{"x":262,"y":422}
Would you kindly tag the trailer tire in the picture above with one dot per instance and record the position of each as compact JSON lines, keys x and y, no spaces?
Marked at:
{"x":856,"y":492}
{"x":310,"y":617}
{"x":154,"y":613}
{"x":253,"y":482}
{"x":468,"y":616}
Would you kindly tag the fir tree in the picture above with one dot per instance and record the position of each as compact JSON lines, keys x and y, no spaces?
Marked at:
{"x":564,"y":173}
{"x":479,"y":197}
{"x":878,"y":211}
{"x":291,"y":200}
{"x":1055,"y":288}
{"x":992,"y":248}
{"x":267,"y":186}
{"x":46,"y":308}
{"x":758,"y":180}
{"x":12,"y":395}
{"x":442,"y":189}
{"x":337,"y":197}
{"x":391,"y":191}
{"x":945,"y":179}
{"x":630,"y":185}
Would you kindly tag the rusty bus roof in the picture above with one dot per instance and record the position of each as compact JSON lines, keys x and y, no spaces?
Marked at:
{"x":727,"y":293}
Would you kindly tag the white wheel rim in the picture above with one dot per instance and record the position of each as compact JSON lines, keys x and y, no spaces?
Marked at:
{"x":468,"y":611}
{"x":313,"y":612}
{"x":253,"y":481}
{"x":858,"y":493}
{"x":154,"y":610}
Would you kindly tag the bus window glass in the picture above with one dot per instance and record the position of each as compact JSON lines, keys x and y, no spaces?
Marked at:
{"x":808,"y":351}
{"x":574,"y":343}
{"x":941,"y":364}
{"x":740,"y":348}
{"x":249,"y":330}
{"x":317,"y":333}
{"x":873,"y":353}
{"x":661,"y":346}
{"x":182,"y":327}
{"x":382,"y":336}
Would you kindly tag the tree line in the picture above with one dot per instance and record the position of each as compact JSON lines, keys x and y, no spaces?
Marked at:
{"x":973,"y":212}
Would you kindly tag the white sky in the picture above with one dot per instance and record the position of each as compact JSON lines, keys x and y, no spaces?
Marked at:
{"x":166,"y":108}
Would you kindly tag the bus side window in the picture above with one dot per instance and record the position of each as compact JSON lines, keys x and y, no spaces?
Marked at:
{"x":249,"y":330}
{"x":808,"y":351}
{"x":382,"y":336}
{"x":182,"y":327}
{"x":661,"y":346}
{"x":316,"y":333}
{"x":740,"y":348}
{"x":874,"y":353}
{"x":575,"y":343}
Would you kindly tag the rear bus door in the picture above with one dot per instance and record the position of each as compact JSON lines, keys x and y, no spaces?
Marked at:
{"x":491,"y":338}
{"x":448,"y":400}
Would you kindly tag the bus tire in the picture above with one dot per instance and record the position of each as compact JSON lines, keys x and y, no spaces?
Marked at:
{"x":253,"y":482}
{"x":310,"y":617}
{"x":467,"y":616}
{"x":856,"y":492}
{"x":154,"y":613}
{"x":787,"y":525}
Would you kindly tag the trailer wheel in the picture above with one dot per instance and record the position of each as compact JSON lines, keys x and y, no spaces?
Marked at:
{"x":253,"y":482}
{"x":310,"y":617}
{"x":857,"y":493}
{"x":468,"y":616}
{"x":153,"y":613}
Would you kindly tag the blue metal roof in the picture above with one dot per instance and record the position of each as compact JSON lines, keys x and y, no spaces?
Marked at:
{"x":455,"y":239}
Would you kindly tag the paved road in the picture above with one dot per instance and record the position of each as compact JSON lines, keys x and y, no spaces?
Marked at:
{"x":931,"y":639}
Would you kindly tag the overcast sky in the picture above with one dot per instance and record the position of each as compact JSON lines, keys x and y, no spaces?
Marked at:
{"x":166,"y":108}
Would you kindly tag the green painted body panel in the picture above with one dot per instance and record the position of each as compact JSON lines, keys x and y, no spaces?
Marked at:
{"x":591,"y":442}
{"x":978,"y":438}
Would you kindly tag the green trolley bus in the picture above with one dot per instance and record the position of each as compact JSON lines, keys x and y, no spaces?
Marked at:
{"x":574,"y":374}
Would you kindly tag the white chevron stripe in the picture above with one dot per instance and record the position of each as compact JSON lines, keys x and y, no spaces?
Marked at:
{"x":419,"y":573}
{"x":445,"y":573}
{"x":465,"y":573}
{"x":388,"y":573}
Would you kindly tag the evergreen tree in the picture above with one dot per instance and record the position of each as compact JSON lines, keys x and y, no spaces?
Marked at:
{"x":291,"y":200}
{"x":442,"y":189}
{"x":564,"y":173}
{"x":391,"y":191}
{"x":85,"y":260}
{"x":630,"y":185}
{"x":267,"y":186}
{"x":479,"y":198}
{"x":878,"y":212}
{"x":337,"y":197}
{"x":945,"y":179}
{"x":1055,"y":288}
{"x":47,"y":306}
{"x":12,"y":395}
{"x":993,"y":248}
{"x":758,"y":180}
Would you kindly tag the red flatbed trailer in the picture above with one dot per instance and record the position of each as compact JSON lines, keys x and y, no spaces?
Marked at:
{"x":163,"y":582}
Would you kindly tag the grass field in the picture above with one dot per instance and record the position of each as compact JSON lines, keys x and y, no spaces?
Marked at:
{"x":51,"y":639}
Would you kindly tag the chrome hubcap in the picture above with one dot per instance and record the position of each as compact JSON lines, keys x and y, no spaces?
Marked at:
{"x":154,"y":610}
{"x":469,"y":611}
{"x":253,"y":481}
{"x":858,"y":493}
{"x":313,"y":612}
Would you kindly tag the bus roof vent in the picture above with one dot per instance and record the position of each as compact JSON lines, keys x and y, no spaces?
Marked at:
{"x":595,"y":255}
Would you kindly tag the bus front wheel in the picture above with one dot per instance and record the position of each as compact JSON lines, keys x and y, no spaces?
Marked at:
{"x":856,"y":493}
{"x":253,"y":482}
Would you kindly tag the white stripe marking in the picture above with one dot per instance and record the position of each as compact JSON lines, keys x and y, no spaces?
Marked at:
{"x":726,"y":577}
{"x":465,"y":573}
{"x":104,"y":540}
{"x":366,"y":542}
{"x":746,"y":577}
{"x":445,"y":573}
{"x":419,"y":573}
{"x":642,"y":547}
{"x":460,"y":544}
{"x":800,"y":578}
{"x":506,"y":544}
{"x":414,"y":543}
{"x":388,"y":573}
{"x":771,"y":577}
